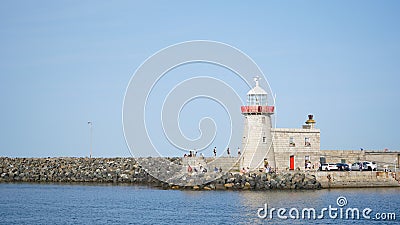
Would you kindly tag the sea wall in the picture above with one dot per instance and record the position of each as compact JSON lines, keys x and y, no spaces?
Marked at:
{"x":128,"y":170}
{"x":354,"y":179}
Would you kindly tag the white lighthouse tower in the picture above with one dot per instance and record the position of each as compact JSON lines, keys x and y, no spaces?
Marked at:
{"x":257,"y":137}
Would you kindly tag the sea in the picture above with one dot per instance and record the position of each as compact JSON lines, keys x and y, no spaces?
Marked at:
{"x":32,"y":203}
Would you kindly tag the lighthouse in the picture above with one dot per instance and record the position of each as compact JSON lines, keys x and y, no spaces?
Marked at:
{"x":257,"y":137}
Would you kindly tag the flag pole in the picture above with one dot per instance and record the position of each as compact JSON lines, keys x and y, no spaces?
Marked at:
{"x":90,"y":133}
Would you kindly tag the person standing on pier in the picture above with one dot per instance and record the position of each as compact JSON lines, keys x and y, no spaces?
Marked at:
{"x":228,"y":152}
{"x":215,"y":151}
{"x":239,"y":152}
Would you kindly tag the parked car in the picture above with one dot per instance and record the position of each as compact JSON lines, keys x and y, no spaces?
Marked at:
{"x":329,"y":166}
{"x":355,"y":166}
{"x":365,"y":166}
{"x":343,"y":166}
{"x":369,"y":166}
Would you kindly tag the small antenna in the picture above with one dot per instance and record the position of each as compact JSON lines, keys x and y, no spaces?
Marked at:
{"x":257,"y":79}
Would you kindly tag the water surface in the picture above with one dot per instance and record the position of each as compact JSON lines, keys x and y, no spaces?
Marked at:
{"x":25,"y":203}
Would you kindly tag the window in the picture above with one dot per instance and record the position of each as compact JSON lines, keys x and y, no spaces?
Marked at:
{"x":343,"y":160}
{"x":291,"y":142}
{"x":307,"y":142}
{"x":264,"y":139}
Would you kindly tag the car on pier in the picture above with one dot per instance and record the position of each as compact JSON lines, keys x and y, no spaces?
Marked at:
{"x":343,"y":167}
{"x":356,"y":166}
{"x":364,"y":166}
{"x":369,"y":166}
{"x":328,"y":166}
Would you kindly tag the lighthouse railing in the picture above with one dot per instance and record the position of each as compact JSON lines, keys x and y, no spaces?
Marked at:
{"x":257,"y":109}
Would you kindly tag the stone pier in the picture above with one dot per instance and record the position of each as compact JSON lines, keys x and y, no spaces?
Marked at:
{"x":130,"y":171}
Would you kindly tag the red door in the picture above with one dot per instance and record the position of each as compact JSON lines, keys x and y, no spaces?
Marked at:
{"x":291,"y":162}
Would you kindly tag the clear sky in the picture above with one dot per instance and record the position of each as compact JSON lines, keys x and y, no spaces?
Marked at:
{"x":63,"y":63}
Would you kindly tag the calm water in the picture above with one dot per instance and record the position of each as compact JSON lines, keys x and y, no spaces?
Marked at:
{"x":85,"y":204}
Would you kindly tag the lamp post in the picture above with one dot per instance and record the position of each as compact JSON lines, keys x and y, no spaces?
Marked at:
{"x":90,"y":136}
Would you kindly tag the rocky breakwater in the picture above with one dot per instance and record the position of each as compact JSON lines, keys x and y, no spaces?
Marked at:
{"x":263,"y":181}
{"x":68,"y":169}
{"x":167,"y":173}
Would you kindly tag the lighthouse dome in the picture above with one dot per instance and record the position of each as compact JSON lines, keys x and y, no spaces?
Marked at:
{"x":257,"y":96}
{"x":257,"y":90}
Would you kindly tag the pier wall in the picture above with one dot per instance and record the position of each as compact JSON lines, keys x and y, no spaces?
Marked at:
{"x":355,"y":179}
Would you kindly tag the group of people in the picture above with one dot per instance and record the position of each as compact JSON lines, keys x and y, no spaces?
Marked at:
{"x":244,"y":170}
{"x":194,"y":169}
{"x":309,"y":166}
{"x":201,"y":169}
{"x":228,"y":152}
{"x":193,"y":153}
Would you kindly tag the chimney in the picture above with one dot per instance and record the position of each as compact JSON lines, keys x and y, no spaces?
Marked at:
{"x":310,"y":123}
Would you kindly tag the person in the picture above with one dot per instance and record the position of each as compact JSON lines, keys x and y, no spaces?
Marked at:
{"x":220,"y":170}
{"x":185,"y":155}
{"x":242,"y":171}
{"x":215,"y":151}
{"x":239,"y":152}
{"x":190,"y":169}
{"x":360,"y":165}
{"x":215,"y":169}
{"x":265,"y":163}
{"x":229,"y":152}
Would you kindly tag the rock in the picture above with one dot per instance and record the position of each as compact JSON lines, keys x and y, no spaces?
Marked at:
{"x":228,"y":185}
{"x":246,"y":186}
{"x":219,"y":187}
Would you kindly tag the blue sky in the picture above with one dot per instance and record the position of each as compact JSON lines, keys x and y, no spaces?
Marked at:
{"x":66,"y":62}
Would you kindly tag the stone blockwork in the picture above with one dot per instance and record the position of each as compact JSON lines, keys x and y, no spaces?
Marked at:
{"x":358,"y":179}
{"x":301,"y":144}
{"x":224,"y":164}
{"x":256,"y":141}
{"x":384,"y":159}
{"x":345,"y":156}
